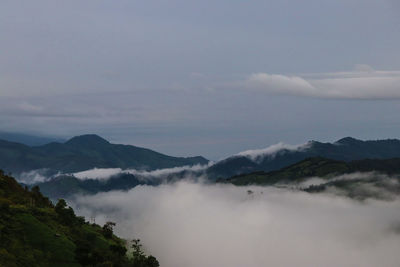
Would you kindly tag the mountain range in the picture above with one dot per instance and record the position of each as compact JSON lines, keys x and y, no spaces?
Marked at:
{"x":85,"y":152}
{"x":359,"y":179}
{"x":28,"y":139}
{"x":316,"y":167}
{"x":346,"y":149}
{"x":264,"y":166}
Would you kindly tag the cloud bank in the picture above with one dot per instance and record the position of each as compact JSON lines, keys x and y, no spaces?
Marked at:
{"x":256,"y":154}
{"x":107,"y":173}
{"x":194,"y":225}
{"x":36,"y":176}
{"x":363,"y":83}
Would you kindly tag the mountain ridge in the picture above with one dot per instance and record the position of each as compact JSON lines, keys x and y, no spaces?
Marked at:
{"x":316,"y":167}
{"x":86,"y":152}
{"x":345,"y":149}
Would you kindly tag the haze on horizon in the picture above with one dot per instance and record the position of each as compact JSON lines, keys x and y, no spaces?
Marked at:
{"x":209,"y":78}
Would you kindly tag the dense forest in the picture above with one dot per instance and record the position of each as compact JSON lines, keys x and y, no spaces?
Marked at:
{"x":35,"y":232}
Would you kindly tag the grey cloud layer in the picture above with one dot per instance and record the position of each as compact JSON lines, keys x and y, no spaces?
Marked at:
{"x":149,"y":73}
{"x":194,"y":225}
{"x":351,"y":85}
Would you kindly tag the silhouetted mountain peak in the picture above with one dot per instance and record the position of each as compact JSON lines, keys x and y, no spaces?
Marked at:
{"x":87,"y":140}
{"x":348,"y":141}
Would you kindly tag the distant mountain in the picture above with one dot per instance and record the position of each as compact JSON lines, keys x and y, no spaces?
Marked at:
{"x":360,"y":179}
{"x":85,"y":152}
{"x":317,"y":167}
{"x":346,"y":149}
{"x":29,"y":140}
{"x":65,"y":186}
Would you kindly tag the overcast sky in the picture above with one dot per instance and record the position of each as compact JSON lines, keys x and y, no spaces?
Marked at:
{"x":201,"y":77}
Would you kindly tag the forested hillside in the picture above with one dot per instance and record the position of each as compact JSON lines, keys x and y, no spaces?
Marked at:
{"x":34,"y":232}
{"x":317,"y":167}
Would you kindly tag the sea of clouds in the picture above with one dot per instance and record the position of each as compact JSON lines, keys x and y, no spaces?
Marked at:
{"x":191,"y":224}
{"x":43,"y":175}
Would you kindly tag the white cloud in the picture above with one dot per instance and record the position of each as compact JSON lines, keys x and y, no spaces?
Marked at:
{"x":31,"y":177}
{"x":194,"y":225}
{"x":97,"y":173}
{"x":256,"y":154}
{"x":167,"y":171}
{"x":36,"y":176}
{"x":106,"y":173}
{"x":363,"y":83}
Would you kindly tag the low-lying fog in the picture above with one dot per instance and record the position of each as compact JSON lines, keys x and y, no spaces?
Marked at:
{"x":190,"y":224}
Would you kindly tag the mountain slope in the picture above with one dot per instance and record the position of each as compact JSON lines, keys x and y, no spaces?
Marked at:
{"x":34,"y":232}
{"x":346,"y":149}
{"x":66,"y":186}
{"x":26,"y":139}
{"x":83,"y":153}
{"x":316,"y":167}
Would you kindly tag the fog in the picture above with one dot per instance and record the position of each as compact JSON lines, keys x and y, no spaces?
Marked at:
{"x":190,"y":224}
{"x":257,"y":154}
{"x":107,"y":173}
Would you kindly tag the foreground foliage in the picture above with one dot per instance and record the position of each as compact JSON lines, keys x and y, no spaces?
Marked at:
{"x":34,"y":232}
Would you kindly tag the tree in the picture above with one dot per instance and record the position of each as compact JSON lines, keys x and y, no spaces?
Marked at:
{"x":152,"y":261}
{"x":139,"y":258}
{"x":61,"y":204}
{"x":108,"y":228}
{"x":66,"y":214}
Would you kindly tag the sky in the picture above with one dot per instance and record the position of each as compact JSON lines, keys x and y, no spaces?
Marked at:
{"x":209,"y":78}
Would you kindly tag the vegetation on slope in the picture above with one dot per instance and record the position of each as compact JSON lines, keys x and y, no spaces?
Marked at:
{"x":346,"y":149}
{"x":34,"y":232}
{"x":64,"y":186}
{"x":316,"y":167}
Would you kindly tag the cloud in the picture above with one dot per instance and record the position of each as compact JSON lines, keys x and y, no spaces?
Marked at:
{"x":194,"y":225}
{"x":36,"y":176}
{"x":256,"y":154}
{"x":107,"y":173}
{"x":363,"y":83}
{"x":97,"y":173}
{"x":357,"y":185}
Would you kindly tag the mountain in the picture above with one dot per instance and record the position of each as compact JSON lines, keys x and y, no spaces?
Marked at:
{"x":65,"y":186}
{"x":34,"y":232}
{"x":346,"y":149}
{"x":360,"y":179}
{"x":310,"y":167}
{"x":317,"y":167}
{"x":85,"y":152}
{"x":29,"y":140}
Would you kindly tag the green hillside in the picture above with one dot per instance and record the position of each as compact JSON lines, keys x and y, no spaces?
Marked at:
{"x":34,"y":232}
{"x":316,"y":167}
